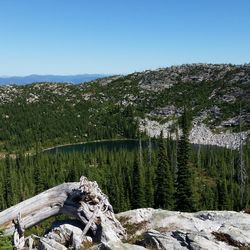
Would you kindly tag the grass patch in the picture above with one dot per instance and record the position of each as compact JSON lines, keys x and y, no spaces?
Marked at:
{"x":5,"y":241}
{"x":132,"y":229}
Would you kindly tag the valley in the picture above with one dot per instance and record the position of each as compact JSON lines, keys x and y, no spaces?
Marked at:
{"x":142,"y":137}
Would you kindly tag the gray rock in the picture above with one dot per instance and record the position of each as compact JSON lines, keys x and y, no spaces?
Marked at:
{"x":162,"y":241}
{"x":192,"y":73}
{"x":200,"y":133}
{"x":115,"y":245}
{"x":176,"y":230}
{"x":66,"y":232}
{"x":178,"y":240}
{"x":204,"y":241}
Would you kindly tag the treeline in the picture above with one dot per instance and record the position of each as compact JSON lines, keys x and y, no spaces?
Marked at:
{"x":147,"y":177}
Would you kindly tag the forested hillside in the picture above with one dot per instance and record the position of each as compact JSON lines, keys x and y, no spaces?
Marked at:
{"x":46,"y":114}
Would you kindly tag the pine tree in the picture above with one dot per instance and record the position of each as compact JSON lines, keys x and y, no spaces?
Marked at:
{"x":164,"y":179}
{"x":9,"y":189}
{"x":184,"y":192}
{"x":138,"y":195}
{"x":149,"y":185}
{"x":2,"y":192}
{"x":38,"y":176}
{"x":72,"y":174}
{"x":224,"y":200}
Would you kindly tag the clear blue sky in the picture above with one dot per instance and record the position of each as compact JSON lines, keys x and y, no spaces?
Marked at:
{"x":120,"y":36}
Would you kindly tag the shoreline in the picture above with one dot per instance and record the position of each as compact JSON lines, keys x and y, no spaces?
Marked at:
{"x":31,"y":152}
{"x":86,"y":142}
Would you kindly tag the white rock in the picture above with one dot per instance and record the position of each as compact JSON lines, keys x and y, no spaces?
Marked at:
{"x":63,"y":232}
{"x":195,"y":229}
{"x":199,"y":134}
{"x":114,"y":245}
{"x":162,"y":241}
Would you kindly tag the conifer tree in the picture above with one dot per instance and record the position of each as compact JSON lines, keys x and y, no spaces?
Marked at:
{"x":224,"y":201}
{"x":2,"y":192}
{"x":149,"y":186}
{"x":38,"y":176}
{"x":164,"y":179}
{"x":138,"y":195}
{"x":9,"y":190}
{"x":72,"y":174}
{"x":184,"y":192}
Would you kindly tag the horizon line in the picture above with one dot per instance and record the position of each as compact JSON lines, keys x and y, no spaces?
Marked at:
{"x":125,"y":73}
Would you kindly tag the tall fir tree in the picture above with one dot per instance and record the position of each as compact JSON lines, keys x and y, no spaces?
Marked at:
{"x":223,"y":196}
{"x":164,"y":179}
{"x":184,"y":192}
{"x":149,"y":185}
{"x":38,"y":176}
{"x":138,"y":194}
{"x":3,"y":204}
{"x":9,"y":186}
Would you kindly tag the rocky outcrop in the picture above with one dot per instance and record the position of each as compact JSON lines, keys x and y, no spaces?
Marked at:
{"x":180,"y":240}
{"x":106,"y":80}
{"x":176,"y":230}
{"x":199,"y":134}
{"x":114,"y":245}
{"x":193,"y":73}
{"x":154,"y":128}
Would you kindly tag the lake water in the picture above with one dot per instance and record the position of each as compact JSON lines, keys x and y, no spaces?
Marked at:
{"x":129,"y":144}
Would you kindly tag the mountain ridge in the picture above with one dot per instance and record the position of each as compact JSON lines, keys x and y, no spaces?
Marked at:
{"x":32,"y":78}
{"x":217,"y":95}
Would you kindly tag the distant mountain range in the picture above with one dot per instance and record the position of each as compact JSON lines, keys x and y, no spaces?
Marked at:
{"x":49,"y":78}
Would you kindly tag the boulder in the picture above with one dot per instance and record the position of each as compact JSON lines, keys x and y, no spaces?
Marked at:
{"x":68,"y":233}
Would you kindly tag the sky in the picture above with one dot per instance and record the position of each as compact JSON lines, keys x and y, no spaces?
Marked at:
{"x":120,"y":36}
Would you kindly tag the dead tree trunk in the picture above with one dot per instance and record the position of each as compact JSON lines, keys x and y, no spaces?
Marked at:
{"x":80,"y":200}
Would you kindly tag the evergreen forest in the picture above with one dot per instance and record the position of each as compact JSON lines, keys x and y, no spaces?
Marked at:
{"x":146,"y":177}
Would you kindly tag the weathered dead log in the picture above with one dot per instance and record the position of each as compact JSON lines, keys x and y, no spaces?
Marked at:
{"x":82,"y":200}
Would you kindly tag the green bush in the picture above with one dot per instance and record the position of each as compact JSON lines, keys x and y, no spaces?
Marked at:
{"x":5,"y":241}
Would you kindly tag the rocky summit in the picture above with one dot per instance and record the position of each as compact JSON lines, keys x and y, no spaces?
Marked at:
{"x":204,"y":230}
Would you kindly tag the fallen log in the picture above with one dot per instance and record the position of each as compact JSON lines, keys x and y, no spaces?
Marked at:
{"x":85,"y":201}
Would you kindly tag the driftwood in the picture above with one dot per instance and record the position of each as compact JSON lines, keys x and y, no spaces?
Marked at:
{"x":85,"y":201}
